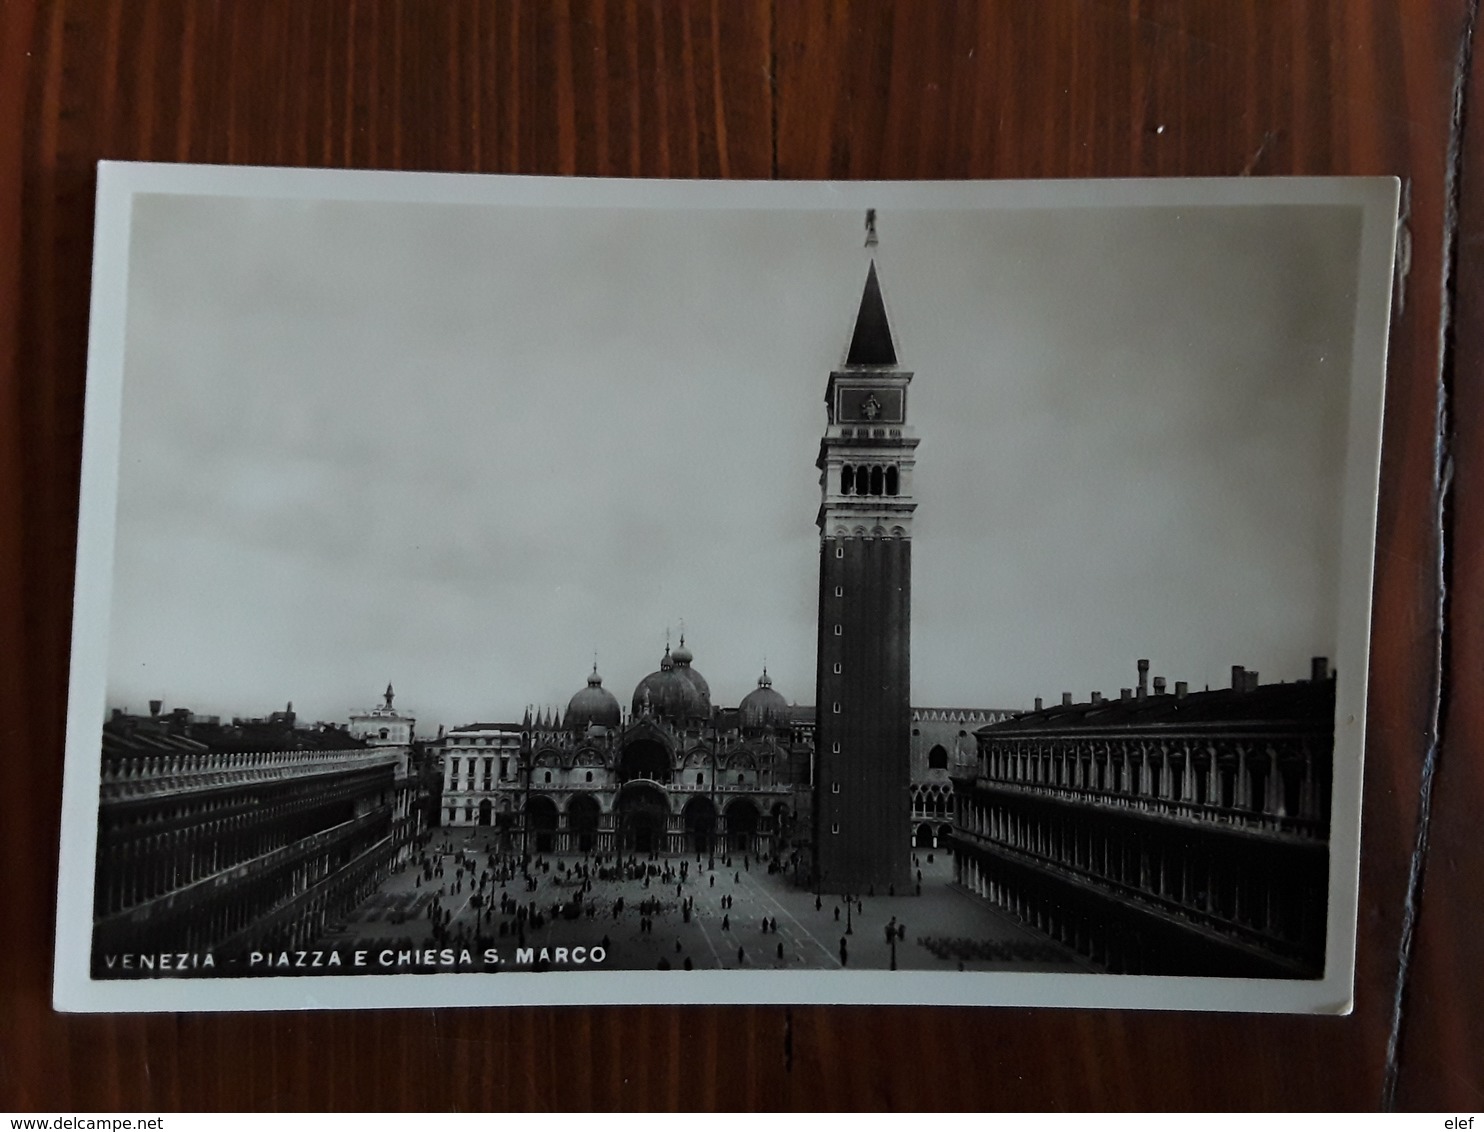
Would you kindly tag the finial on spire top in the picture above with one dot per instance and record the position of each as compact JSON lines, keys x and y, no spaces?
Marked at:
{"x":871,"y":240}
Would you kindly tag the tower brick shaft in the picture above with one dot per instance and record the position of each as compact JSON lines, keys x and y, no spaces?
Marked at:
{"x":862,"y":793}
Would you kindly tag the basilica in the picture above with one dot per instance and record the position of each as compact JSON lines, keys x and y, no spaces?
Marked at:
{"x":671,"y":774}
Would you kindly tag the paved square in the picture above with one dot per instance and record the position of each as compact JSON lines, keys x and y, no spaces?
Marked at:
{"x":641,"y":922}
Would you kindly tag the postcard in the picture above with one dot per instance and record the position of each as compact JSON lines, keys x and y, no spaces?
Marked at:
{"x":499,"y":590}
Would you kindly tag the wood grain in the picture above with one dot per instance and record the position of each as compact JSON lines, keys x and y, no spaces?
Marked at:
{"x":1443,"y":1033}
{"x":755,"y":90}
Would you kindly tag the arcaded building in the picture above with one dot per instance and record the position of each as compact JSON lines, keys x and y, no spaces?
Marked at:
{"x":1169,"y":833}
{"x":942,"y":745}
{"x":391,"y":729}
{"x":252,"y":834}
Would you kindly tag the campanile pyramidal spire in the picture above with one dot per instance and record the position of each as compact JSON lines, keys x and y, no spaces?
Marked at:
{"x":862,"y":802}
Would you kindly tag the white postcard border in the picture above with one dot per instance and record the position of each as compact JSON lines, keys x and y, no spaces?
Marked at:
{"x":74,"y":990}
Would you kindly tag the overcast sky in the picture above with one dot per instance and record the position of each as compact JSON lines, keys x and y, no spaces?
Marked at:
{"x":464,"y":449}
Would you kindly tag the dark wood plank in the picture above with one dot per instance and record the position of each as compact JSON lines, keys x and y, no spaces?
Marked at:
{"x":1442,"y":1037}
{"x":860,"y":89}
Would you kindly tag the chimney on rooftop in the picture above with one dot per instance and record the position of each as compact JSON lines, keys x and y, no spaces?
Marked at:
{"x":1143,"y":678}
{"x":1038,"y":703}
{"x":1182,"y":689}
{"x":1239,"y":677}
{"x":1249,"y":681}
{"x":1097,"y":697}
{"x":1319,"y":669}
{"x":1159,"y":685}
{"x":1126,"y":694}
{"x":155,"y":706}
{"x":1066,"y":699}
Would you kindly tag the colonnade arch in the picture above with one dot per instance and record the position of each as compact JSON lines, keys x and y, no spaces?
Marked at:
{"x":584,"y":817}
{"x":700,"y":825}
{"x":542,"y":822}
{"x":742,"y":825}
{"x":642,"y":820}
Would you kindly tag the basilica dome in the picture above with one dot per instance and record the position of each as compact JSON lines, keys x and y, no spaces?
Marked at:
{"x":682,"y":658}
{"x":670,"y":694}
{"x":593,"y":705}
{"x":763,"y":707}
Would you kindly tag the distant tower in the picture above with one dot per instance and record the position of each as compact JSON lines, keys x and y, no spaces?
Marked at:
{"x":862,"y":792}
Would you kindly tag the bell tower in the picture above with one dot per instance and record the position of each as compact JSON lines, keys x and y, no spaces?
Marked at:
{"x":862,"y":791}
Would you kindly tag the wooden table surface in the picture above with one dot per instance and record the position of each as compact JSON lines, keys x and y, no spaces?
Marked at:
{"x":780,"y":89}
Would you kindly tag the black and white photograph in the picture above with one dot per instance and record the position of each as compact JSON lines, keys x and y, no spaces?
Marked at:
{"x":508,"y":590}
